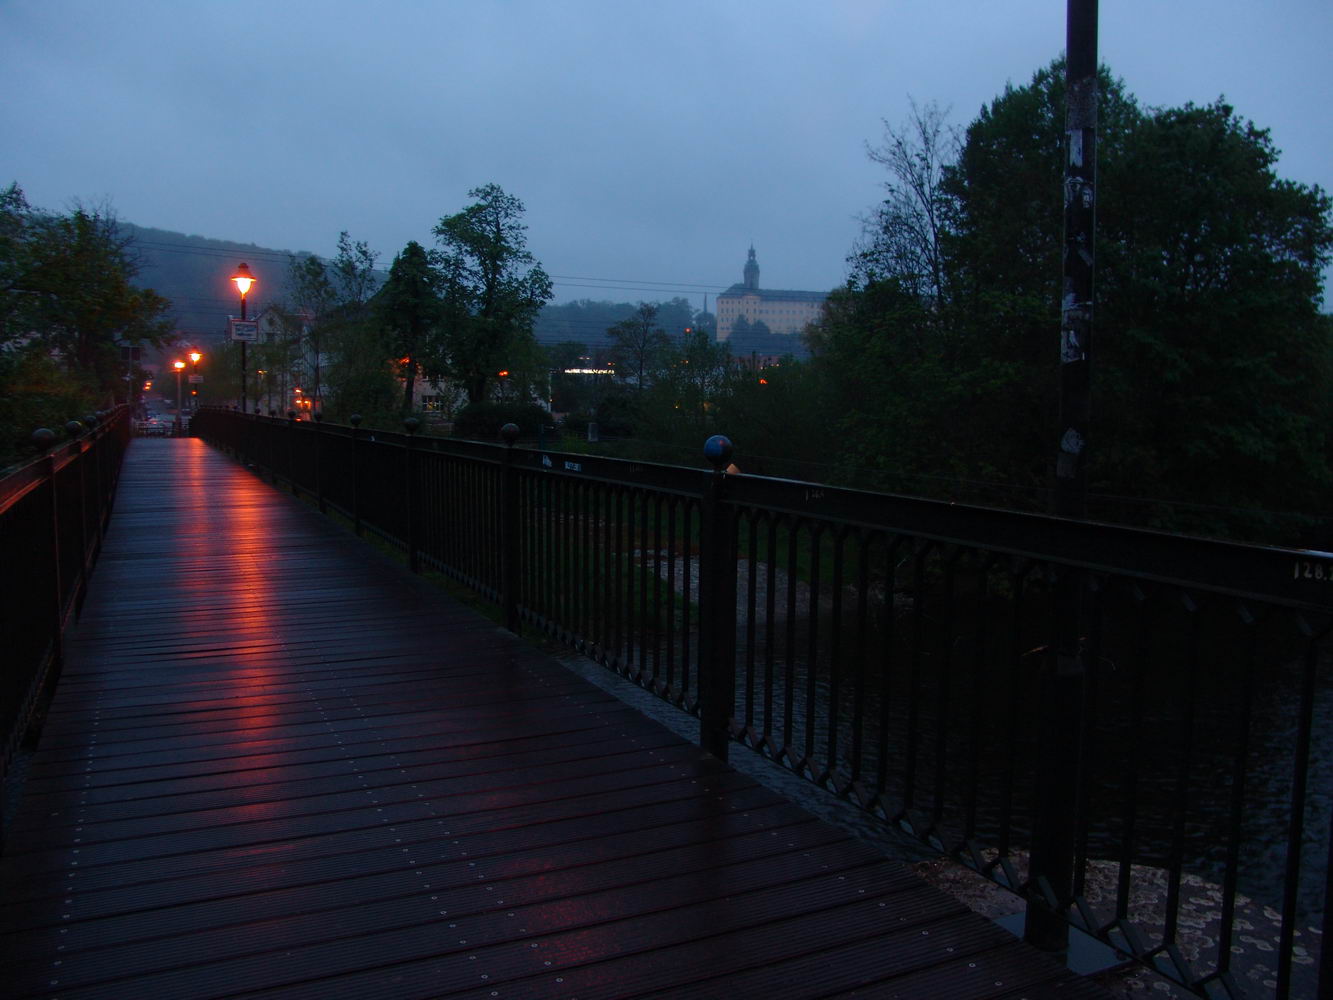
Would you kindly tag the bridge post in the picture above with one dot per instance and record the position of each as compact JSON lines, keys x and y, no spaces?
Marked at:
{"x":318,"y":417}
{"x":1060,"y":714}
{"x":509,"y":531}
{"x":45,"y":438}
{"x":355,"y":421}
{"x":271,"y":435}
{"x":409,"y":494}
{"x":717,"y":606}
{"x":291,"y":453}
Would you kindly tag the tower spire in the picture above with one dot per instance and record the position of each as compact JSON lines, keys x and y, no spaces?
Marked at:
{"x":752,"y":271}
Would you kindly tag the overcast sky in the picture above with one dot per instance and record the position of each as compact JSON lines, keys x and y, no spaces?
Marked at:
{"x":652,"y":142}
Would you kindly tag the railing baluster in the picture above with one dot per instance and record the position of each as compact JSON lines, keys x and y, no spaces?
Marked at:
{"x":1296,"y":813}
{"x":897,"y":715}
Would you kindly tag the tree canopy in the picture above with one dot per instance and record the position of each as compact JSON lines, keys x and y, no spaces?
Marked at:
{"x":1213,"y":366}
{"x":68,"y":304}
{"x":493,"y":289}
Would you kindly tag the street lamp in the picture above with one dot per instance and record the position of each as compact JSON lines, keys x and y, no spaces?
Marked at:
{"x":194,"y":380}
{"x":243,"y":279}
{"x":178,"y":365}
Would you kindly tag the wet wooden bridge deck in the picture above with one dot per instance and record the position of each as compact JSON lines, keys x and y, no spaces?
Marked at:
{"x":278,"y":765}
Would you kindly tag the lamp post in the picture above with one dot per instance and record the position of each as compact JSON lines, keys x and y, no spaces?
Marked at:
{"x":178,"y":365}
{"x":243,"y":279}
{"x":194,"y":380}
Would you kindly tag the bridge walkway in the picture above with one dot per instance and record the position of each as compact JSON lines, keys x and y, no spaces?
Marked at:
{"x":279,"y":765}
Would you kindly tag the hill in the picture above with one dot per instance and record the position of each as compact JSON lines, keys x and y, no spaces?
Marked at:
{"x":193,"y":272}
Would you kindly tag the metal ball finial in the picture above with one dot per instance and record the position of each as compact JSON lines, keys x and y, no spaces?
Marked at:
{"x":411,"y":423}
{"x":354,"y":420}
{"x":509,"y":434}
{"x":73,"y":428}
{"x":43,"y":437}
{"x":718,"y":449}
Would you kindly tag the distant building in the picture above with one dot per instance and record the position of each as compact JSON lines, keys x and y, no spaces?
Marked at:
{"x":284,"y":365}
{"x":781,"y":310}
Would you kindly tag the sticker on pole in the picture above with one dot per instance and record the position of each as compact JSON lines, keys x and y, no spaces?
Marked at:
{"x":246,"y":330}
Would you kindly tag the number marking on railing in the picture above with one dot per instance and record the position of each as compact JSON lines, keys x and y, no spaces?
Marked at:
{"x":1305,"y":569}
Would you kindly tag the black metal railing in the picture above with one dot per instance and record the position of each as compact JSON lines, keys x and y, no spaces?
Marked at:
{"x":1165,"y":786}
{"x":53,"y":511}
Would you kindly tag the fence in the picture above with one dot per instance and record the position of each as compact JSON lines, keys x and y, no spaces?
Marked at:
{"x":1131,"y":728}
{"x":53,"y":510}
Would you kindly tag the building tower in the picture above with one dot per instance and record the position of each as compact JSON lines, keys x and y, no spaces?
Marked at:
{"x":752,"y":271}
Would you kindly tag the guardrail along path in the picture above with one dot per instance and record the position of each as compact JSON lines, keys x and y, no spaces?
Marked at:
{"x":278,"y":764}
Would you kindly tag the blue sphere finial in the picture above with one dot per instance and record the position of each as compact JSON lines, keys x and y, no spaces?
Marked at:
{"x":717,"y":449}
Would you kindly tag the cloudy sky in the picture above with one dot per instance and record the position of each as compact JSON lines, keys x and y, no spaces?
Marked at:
{"x":652,"y":142}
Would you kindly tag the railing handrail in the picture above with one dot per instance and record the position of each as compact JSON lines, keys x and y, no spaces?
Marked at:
{"x":53,"y":509}
{"x":937,"y":612}
{"x":1273,"y":574}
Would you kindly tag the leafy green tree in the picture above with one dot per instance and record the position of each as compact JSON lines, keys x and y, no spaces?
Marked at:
{"x":334,"y":297}
{"x":354,"y":275}
{"x":675,"y":316}
{"x":1209,"y":366}
{"x":313,"y":300}
{"x":907,"y":229}
{"x":493,"y":289}
{"x":410,"y":311}
{"x":67,"y":292}
{"x":707,"y":322}
{"x":1212,"y":364}
{"x":362,"y":378}
{"x":783,"y":418}
{"x":639,"y":346}
{"x":693,"y":381}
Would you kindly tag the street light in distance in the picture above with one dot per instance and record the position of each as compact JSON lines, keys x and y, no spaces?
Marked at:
{"x":243,"y":280}
{"x":194,"y":380}
{"x":179,"y":366}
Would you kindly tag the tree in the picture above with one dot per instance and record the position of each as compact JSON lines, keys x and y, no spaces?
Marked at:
{"x":692,"y":383}
{"x":639,"y":345}
{"x":1212,"y":366}
{"x":903,"y":237}
{"x":353,"y":269}
{"x":675,"y":315}
{"x":493,"y":289}
{"x":313,"y":298}
{"x":67,"y":289}
{"x":330,"y":309}
{"x":707,"y":322}
{"x":410,"y":310}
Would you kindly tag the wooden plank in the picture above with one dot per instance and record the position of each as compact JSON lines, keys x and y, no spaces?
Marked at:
{"x":276,"y":763}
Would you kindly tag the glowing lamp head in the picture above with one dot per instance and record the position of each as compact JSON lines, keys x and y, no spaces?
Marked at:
{"x":195,"y":356}
{"x":178,"y":365}
{"x":243,"y":279}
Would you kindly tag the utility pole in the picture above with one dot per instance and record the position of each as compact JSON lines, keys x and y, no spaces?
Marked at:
{"x":1063,"y":669}
{"x":1071,"y":480}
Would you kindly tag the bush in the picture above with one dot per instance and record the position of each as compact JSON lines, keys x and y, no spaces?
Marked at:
{"x":482,"y":421}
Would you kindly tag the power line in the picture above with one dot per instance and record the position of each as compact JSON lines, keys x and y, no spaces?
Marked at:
{"x":570,"y":280}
